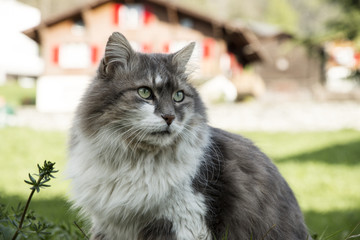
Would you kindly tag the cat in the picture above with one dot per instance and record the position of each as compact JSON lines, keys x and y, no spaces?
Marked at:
{"x":144,"y":163}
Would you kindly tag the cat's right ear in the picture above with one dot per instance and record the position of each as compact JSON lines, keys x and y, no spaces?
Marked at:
{"x":182,"y":57}
{"x":118,"y":52}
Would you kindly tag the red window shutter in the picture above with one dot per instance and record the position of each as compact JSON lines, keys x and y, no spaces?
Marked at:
{"x":166,"y":48}
{"x":148,"y":16}
{"x":55,"y":55}
{"x":357,"y":58}
{"x":146,"y":48}
{"x":94,"y":54}
{"x":208,"y":45}
{"x":206,"y":51}
{"x":116,"y":16}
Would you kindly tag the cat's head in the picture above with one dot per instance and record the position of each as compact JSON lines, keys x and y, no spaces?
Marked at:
{"x":142,"y":99}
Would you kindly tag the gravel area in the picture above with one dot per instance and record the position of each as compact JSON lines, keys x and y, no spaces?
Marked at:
{"x":30,"y":117}
{"x":252,"y":116}
{"x":286,"y":116}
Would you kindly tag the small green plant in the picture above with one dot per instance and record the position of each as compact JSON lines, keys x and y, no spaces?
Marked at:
{"x":21,"y":223}
{"x":44,"y":176}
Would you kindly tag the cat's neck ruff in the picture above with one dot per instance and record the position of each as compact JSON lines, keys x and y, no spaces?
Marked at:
{"x":135,"y":182}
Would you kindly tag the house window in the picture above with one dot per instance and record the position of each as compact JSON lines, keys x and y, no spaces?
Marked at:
{"x":187,"y":22}
{"x":132,"y":16}
{"x":203,"y":49}
{"x":78,"y":27}
{"x":75,"y":55}
{"x":175,"y":46}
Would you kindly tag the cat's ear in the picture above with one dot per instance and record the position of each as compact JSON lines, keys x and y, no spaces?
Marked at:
{"x":182,"y":57}
{"x":118,"y":51}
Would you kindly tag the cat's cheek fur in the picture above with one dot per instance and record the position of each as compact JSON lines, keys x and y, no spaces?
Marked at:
{"x":149,"y":120}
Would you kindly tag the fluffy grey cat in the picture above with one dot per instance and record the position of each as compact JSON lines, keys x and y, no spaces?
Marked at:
{"x":145,"y":164}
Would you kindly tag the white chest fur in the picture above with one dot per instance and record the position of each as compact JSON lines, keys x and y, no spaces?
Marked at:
{"x":132,"y":191}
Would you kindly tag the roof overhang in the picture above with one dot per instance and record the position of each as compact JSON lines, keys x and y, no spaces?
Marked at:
{"x":240,"y":40}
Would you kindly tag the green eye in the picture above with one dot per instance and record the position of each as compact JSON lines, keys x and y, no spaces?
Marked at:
{"x":178,"y":96}
{"x":144,"y":92}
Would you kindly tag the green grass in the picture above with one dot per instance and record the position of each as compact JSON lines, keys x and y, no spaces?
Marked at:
{"x":15,"y":95}
{"x":323,"y":169}
{"x":20,"y":150}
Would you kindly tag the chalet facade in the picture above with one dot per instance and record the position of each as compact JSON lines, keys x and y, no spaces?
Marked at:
{"x":73,"y":44}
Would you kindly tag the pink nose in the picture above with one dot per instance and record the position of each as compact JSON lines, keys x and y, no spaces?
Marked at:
{"x":168,"y":118}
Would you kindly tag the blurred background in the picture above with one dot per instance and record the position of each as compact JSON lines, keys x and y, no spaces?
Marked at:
{"x":285,"y":73}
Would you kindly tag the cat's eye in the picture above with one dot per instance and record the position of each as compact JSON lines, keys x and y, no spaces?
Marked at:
{"x":178,"y":96}
{"x":145,"y":92}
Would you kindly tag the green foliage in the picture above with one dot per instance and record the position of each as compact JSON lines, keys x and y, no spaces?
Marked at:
{"x":45,"y":174}
{"x":15,"y":95}
{"x":345,"y":26}
{"x":19,"y":223}
{"x":347,"y":4}
{"x":281,"y":13}
{"x":35,"y":227}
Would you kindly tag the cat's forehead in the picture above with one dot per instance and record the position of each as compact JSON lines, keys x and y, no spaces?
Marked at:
{"x":160,"y":65}
{"x":158,"y":71}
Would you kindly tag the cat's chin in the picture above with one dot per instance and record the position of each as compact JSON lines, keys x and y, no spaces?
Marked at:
{"x":161,"y":138}
{"x":156,"y":142}
{"x":161,"y":133}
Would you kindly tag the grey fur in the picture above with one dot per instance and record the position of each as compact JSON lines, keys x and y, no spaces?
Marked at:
{"x":248,"y":196}
{"x":139,"y":177}
{"x":118,"y":50}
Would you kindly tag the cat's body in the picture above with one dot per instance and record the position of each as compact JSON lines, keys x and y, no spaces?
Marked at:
{"x":145,"y":165}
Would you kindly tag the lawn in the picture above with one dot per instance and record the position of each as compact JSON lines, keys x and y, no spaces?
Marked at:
{"x":323,"y":169}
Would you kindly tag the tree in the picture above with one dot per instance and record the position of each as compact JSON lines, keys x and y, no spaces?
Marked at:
{"x":346,"y":25}
{"x":281,"y":13}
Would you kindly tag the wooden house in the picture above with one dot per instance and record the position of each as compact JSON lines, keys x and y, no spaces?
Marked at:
{"x":73,"y":43}
{"x":291,"y":71}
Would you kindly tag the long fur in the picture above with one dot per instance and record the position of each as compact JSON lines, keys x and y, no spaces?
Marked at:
{"x":138,"y":177}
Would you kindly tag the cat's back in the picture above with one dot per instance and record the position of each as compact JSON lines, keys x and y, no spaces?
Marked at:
{"x":248,"y":197}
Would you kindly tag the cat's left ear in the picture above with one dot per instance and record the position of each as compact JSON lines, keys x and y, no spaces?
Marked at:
{"x":182,"y":57}
{"x":118,"y":51}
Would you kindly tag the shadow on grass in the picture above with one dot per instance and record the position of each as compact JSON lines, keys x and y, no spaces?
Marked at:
{"x":55,"y":210}
{"x":348,"y":154}
{"x":53,"y":213}
{"x":340,"y":223}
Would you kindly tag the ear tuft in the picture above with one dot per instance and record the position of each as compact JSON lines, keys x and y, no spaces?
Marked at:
{"x":182,"y":57}
{"x":118,"y":51}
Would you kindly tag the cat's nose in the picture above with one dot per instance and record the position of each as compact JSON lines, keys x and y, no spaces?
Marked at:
{"x":168,"y":118}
